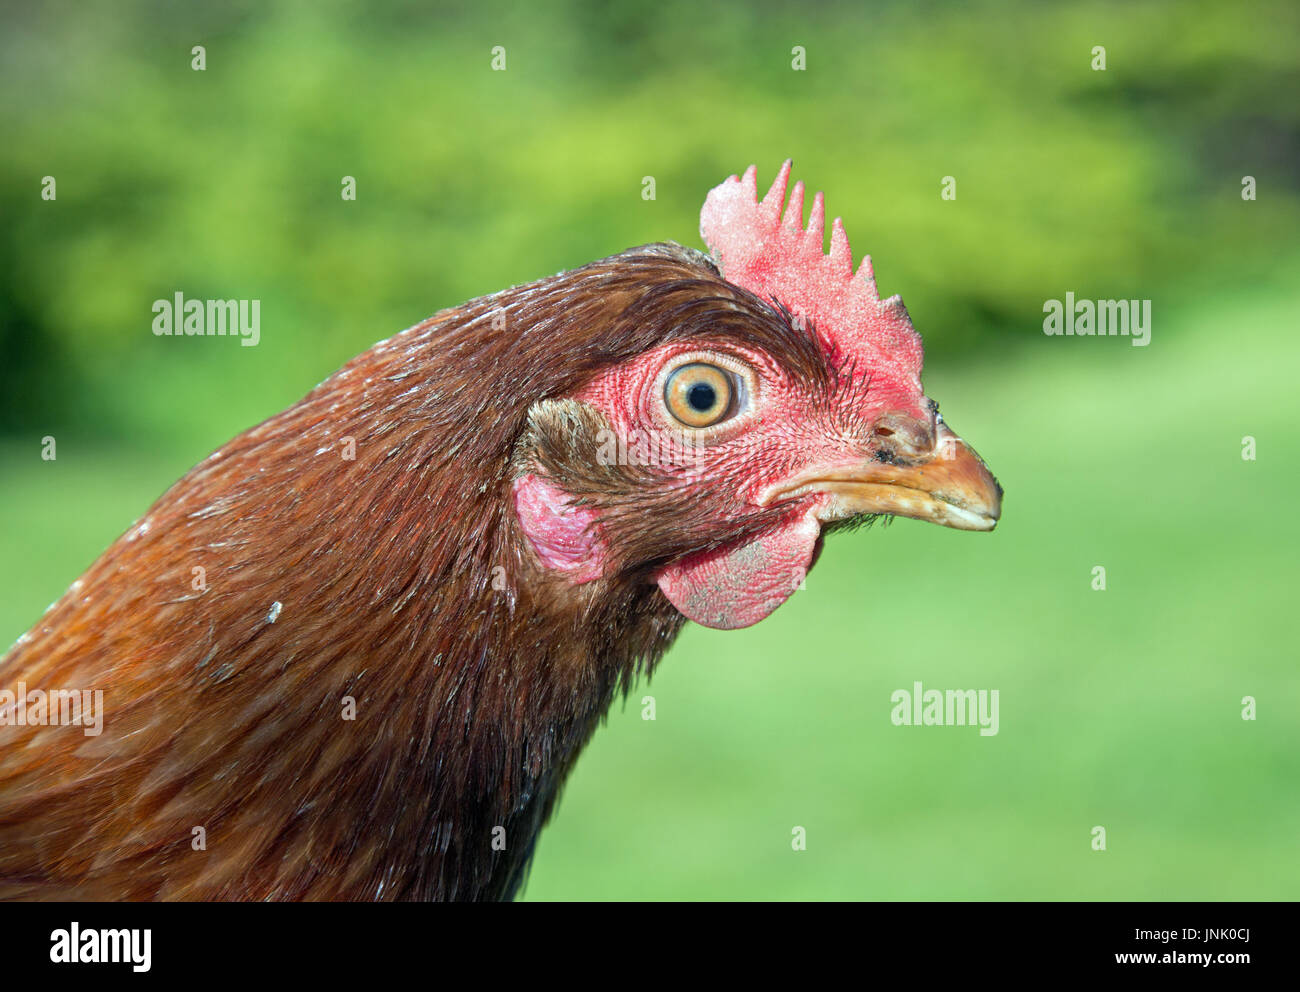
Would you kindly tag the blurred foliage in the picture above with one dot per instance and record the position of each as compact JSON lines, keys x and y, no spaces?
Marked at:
{"x":1118,"y":708}
{"x":225,"y":183}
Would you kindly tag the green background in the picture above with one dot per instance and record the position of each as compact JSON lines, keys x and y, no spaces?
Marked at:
{"x":1119,"y":708}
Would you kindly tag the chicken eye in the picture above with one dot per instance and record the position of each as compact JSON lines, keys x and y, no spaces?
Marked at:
{"x":699,"y":395}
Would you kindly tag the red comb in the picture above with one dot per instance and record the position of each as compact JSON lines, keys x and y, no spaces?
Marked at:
{"x":773,"y":257}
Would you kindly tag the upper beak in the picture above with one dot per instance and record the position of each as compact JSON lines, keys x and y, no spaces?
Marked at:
{"x":950,"y":485}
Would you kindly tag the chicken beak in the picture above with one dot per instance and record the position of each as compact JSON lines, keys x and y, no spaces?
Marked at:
{"x":950,"y":485}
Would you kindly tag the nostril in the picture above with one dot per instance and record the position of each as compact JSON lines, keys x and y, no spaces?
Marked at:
{"x":902,"y":434}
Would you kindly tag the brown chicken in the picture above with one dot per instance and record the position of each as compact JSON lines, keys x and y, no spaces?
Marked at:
{"x":354,"y":653}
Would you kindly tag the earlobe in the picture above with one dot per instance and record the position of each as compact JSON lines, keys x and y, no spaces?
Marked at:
{"x":738,"y":586}
{"x":565,"y":538}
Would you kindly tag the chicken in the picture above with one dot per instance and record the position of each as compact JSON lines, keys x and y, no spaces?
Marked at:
{"x":354,"y":653}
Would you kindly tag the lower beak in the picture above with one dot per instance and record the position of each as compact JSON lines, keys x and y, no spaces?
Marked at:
{"x":951,"y":486}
